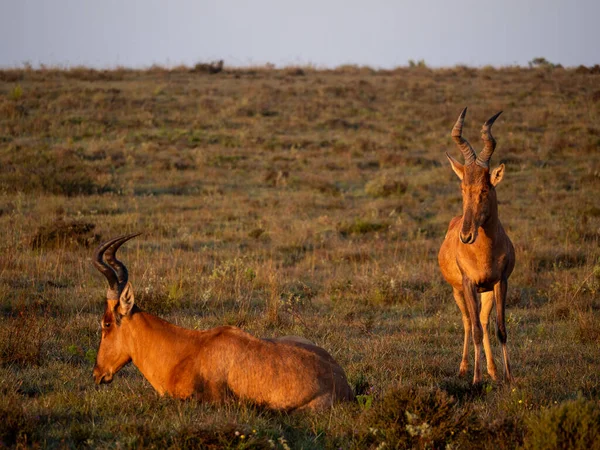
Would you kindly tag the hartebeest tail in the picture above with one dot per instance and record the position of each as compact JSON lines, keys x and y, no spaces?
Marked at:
{"x":477,"y":256}
{"x":288,"y":373}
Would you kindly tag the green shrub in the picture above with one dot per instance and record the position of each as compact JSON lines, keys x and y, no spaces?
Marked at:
{"x":542,"y":63}
{"x":420,"y":63}
{"x":385,"y":187}
{"x":360,"y":226}
{"x":16,"y":93}
{"x":573,"y":425}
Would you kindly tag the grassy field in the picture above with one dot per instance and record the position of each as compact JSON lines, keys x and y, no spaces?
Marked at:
{"x":297,"y":201}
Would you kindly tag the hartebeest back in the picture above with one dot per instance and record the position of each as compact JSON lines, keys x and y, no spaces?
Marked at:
{"x":477,"y":256}
{"x":288,"y":373}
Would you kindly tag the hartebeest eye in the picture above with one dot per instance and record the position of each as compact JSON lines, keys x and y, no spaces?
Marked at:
{"x":106,"y":324}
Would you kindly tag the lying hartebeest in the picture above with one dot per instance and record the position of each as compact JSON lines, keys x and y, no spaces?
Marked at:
{"x":288,"y":373}
{"x":477,"y":256}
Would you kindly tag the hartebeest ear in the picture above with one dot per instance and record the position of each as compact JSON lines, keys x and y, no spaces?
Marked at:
{"x":126,"y":300}
{"x":458,"y":168}
{"x":497,"y":175}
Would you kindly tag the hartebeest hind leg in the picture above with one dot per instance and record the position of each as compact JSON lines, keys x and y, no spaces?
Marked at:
{"x":500,"y":294}
{"x":460,"y":301}
{"x":487,"y":301}
{"x":471,"y":300}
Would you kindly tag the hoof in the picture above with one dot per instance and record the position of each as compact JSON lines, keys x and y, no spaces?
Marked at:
{"x":493,"y":374}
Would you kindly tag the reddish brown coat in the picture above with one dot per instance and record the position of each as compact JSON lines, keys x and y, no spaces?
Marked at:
{"x":477,"y":256}
{"x":288,"y":373}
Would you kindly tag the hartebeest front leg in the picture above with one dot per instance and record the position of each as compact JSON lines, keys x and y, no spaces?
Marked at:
{"x":470,"y":294}
{"x":500,"y":289}
{"x":487,"y":301}
{"x":460,"y":301}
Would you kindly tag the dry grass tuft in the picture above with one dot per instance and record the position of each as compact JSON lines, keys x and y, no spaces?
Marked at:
{"x":61,"y":233}
{"x":22,"y":338}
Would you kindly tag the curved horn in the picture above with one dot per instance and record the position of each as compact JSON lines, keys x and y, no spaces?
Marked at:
{"x":462,"y":143}
{"x":116,"y":272}
{"x":483,"y":159}
{"x":105,"y":269}
{"x":118,"y":266}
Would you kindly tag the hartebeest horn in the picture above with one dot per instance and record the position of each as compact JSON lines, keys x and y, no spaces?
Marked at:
{"x":118,"y":266}
{"x":115,"y":271}
{"x":462,"y":143}
{"x":483,"y":159}
{"x":105,"y":269}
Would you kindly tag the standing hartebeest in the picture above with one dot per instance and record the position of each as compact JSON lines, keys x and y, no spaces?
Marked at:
{"x":477,"y":256}
{"x":288,"y":373}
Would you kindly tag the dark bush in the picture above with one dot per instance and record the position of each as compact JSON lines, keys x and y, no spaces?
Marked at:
{"x":211,"y":68}
{"x":16,"y":427}
{"x":414,"y":417}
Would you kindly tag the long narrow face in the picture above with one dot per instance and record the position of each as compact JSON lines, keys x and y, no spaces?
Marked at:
{"x":112,"y":354}
{"x":477,"y":182}
{"x":479,"y":198}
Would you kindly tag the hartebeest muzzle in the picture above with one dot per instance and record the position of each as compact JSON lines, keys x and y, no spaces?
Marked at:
{"x":468,"y":231}
{"x":467,"y":238}
{"x":101,"y":377}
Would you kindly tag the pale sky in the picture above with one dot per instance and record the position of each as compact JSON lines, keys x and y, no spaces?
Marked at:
{"x":323,"y":33}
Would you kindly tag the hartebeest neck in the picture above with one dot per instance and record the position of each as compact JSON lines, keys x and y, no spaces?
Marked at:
{"x":156,"y":346}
